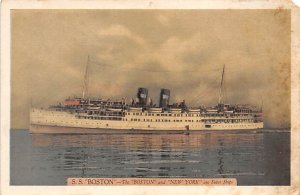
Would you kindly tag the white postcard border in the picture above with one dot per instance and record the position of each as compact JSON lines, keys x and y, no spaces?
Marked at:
{"x":7,"y":6}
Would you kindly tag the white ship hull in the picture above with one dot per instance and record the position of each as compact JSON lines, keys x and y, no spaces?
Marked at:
{"x":40,"y":118}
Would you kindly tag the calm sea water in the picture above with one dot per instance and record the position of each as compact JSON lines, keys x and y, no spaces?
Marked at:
{"x":253,"y":157}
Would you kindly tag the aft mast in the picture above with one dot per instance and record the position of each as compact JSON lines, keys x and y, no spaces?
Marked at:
{"x":86,"y":79}
{"x":221,"y":86}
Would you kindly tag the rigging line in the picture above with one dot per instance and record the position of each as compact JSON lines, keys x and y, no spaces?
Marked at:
{"x":210,"y":87}
{"x":197,"y":100}
{"x":152,"y":71}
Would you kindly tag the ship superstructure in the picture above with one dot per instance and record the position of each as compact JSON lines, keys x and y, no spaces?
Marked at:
{"x":138,"y":115}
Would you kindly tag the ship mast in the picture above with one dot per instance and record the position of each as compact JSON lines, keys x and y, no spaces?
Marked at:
{"x":221,"y":86}
{"x":86,"y":79}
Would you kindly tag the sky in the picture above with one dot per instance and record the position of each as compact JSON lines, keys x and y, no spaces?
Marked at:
{"x":181,"y":50}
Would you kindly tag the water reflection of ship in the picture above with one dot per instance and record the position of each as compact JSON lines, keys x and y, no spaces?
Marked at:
{"x":199,"y":154}
{"x":195,"y":140}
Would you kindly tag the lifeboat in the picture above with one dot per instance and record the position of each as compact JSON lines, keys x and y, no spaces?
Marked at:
{"x":211,"y":111}
{"x":155,"y":110}
{"x":175,"y":110}
{"x":93,"y":108}
{"x":115,"y":109}
{"x":135,"y":109}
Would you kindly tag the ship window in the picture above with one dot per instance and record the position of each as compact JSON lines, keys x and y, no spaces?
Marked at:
{"x":170,"y":114}
{"x":157,"y":114}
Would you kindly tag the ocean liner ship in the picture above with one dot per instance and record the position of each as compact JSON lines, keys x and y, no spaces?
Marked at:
{"x":87,"y":115}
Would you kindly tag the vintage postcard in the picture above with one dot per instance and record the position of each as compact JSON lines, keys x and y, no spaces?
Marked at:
{"x":143,"y":97}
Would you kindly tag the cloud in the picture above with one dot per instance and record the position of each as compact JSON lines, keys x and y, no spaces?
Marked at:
{"x":118,"y":30}
{"x":163,"y":19}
